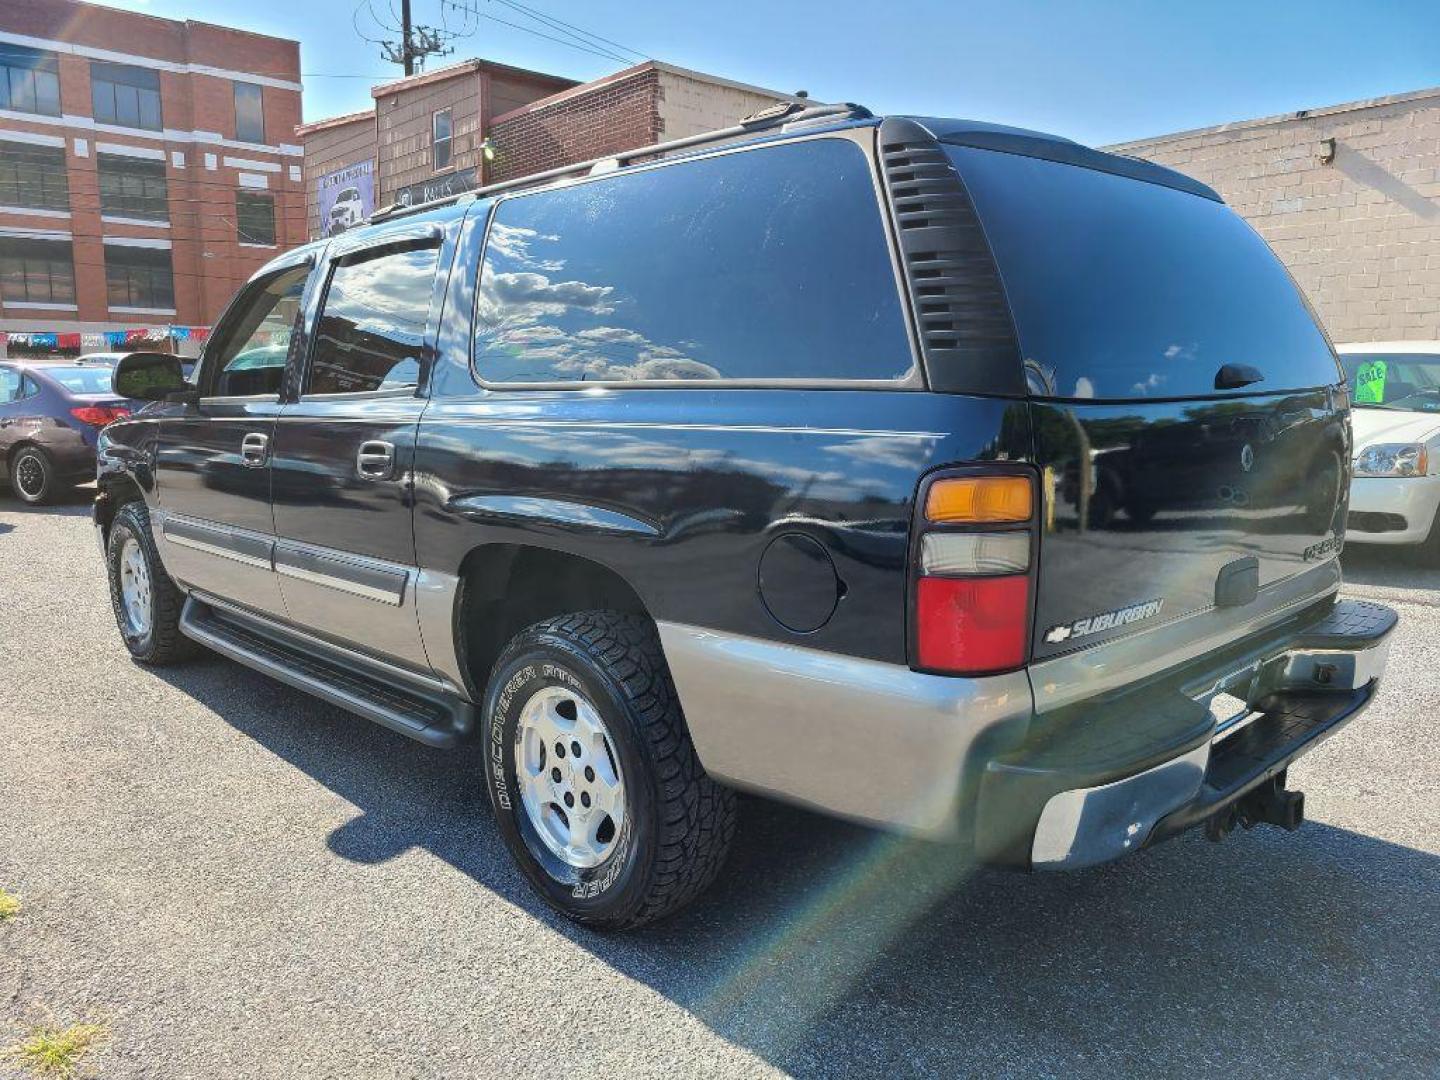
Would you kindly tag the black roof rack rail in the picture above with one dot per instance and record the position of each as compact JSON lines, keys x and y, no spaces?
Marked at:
{"x":785,"y":116}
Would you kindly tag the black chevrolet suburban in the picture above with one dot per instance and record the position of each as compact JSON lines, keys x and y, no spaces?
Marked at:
{"x":944,"y":476}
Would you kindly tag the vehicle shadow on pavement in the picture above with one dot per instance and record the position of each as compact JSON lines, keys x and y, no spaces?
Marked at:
{"x":1388,"y":567}
{"x":1302,"y":955}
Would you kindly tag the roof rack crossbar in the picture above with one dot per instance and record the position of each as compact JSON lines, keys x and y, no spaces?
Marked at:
{"x":786,"y":115}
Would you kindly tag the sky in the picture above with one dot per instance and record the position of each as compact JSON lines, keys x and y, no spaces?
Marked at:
{"x":1100,"y":72}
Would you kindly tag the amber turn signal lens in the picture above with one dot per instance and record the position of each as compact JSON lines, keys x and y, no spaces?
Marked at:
{"x":977,"y":500}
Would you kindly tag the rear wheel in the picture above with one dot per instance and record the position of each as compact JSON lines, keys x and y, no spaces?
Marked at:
{"x":593,"y":778}
{"x":147,"y":603}
{"x":32,"y":476}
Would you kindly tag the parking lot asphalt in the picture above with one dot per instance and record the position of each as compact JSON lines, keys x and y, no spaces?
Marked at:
{"x":240,"y":881}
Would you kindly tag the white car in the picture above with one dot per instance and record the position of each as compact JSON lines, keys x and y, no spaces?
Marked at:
{"x":1395,"y":492}
{"x":347,"y":211}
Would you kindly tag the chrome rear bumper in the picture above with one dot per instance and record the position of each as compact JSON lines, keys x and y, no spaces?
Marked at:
{"x":1299,"y":697}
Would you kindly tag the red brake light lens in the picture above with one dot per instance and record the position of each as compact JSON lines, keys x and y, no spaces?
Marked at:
{"x":98,"y":415}
{"x":970,"y":625}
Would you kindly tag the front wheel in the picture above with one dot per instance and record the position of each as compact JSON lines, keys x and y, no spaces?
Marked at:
{"x":594,"y":781}
{"x":147,"y":603}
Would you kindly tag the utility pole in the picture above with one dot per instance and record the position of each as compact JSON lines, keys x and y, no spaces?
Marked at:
{"x":407,"y":53}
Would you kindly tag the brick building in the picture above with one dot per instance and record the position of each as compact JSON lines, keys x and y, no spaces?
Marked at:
{"x":480,"y":122}
{"x":147,"y":166}
{"x":1348,"y":196}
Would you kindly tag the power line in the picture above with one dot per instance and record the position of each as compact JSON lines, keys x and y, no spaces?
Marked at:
{"x":559,"y":23}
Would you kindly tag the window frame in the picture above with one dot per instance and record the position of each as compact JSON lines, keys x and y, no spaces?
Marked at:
{"x":256,"y":196}
{"x":29,"y":301}
{"x":259,"y":90}
{"x":170,"y":261}
{"x":145,"y":179}
{"x":449,"y":140}
{"x":98,"y":69}
{"x":864,"y":138}
{"x":13,"y":155}
{"x":409,"y":237}
{"x":206,"y":374}
{"x":41,"y":61}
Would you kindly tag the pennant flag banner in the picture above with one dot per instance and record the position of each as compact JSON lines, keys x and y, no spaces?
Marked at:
{"x":111,"y":339}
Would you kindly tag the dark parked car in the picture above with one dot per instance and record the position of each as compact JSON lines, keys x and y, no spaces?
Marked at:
{"x":50,"y":417}
{"x":743,"y":465}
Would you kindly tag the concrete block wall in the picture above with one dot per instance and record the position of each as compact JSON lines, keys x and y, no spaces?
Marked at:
{"x":692,"y":106}
{"x":1360,"y":234}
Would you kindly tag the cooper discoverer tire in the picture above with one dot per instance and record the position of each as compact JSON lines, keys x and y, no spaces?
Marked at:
{"x":584,"y":705}
{"x":130,"y":552}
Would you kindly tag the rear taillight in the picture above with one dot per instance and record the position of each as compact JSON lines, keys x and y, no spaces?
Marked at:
{"x":98,"y":415}
{"x":974,"y":553}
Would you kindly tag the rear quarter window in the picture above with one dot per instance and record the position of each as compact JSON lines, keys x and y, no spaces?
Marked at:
{"x":1123,"y":289}
{"x":765,"y":265}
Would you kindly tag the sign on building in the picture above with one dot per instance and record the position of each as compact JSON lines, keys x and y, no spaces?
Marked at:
{"x":346,"y":197}
{"x":455,"y":183}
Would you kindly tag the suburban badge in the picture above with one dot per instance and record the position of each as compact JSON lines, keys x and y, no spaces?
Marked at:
{"x":1109,"y":620}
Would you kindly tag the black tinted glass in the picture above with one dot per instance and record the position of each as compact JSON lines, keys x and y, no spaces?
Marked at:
{"x":1123,"y":289}
{"x":371,"y":333}
{"x":762,"y":265}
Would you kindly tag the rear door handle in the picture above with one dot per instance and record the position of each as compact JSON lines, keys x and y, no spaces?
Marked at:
{"x":375,"y":460}
{"x":253,"y":449}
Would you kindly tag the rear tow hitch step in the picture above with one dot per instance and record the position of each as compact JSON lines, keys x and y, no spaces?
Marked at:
{"x":1268,"y":804}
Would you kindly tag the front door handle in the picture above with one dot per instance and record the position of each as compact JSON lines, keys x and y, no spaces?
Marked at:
{"x":253,"y":449}
{"x":375,"y":460}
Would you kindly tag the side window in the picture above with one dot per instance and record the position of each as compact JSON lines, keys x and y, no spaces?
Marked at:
{"x":442,"y":140}
{"x":247,"y":356}
{"x":9,"y":385}
{"x":371,"y":332}
{"x":768,"y":264}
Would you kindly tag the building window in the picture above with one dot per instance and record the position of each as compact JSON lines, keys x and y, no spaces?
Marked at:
{"x":33,"y":177}
{"x":125,"y":95}
{"x":29,"y":80}
{"x":249,"y":113}
{"x":443,"y":139}
{"x":139,"y":277}
{"x":132,"y":187}
{"x":255,"y":218}
{"x":36,"y":271}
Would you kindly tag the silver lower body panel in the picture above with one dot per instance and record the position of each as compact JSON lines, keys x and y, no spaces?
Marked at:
{"x":865,"y":740}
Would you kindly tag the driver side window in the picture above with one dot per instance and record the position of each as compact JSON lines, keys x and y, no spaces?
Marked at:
{"x":248,"y":359}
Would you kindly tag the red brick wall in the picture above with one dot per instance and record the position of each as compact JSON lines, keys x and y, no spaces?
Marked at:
{"x":616,"y":116}
{"x":207,"y":260}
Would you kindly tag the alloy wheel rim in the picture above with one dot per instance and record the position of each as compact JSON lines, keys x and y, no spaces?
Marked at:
{"x":569,"y":777}
{"x":135,"y":591}
{"x":30,"y":476}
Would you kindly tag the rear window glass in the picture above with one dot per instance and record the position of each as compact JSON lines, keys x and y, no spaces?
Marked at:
{"x":1394,"y":380}
{"x":82,"y":380}
{"x":1123,"y":289}
{"x":768,"y":264}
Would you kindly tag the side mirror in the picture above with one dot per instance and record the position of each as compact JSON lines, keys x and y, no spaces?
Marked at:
{"x":148,"y":376}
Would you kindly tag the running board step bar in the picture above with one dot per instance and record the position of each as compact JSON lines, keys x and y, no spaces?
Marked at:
{"x":373,"y":689}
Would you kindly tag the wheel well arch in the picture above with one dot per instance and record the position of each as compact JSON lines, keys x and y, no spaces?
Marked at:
{"x":118,"y":489}
{"x":506,"y":587}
